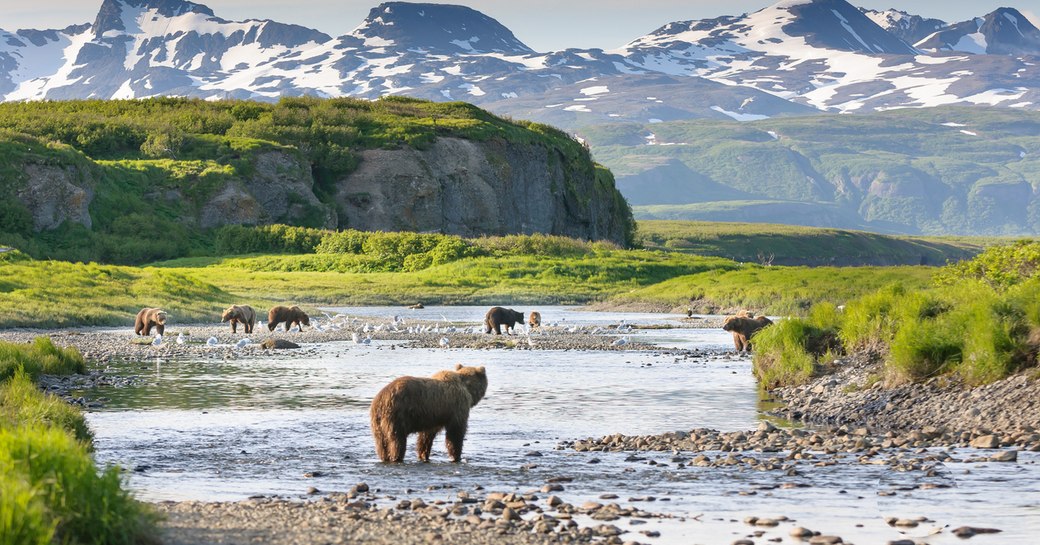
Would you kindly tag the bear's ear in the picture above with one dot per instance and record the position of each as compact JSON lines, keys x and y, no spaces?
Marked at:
{"x":458,"y":366}
{"x":481,"y":370}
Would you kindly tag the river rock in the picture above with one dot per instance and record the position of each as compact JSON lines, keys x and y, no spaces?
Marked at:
{"x":986,"y":441}
{"x":1005,"y":456}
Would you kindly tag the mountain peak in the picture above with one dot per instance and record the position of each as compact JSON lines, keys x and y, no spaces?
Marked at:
{"x":1005,"y":31}
{"x":909,"y":27}
{"x":111,"y":14}
{"x":837,"y":24}
{"x":437,"y":27}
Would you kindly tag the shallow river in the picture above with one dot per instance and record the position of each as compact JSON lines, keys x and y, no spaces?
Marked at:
{"x":216,"y":430}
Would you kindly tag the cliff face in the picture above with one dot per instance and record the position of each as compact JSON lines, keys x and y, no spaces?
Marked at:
{"x":453,"y":186}
{"x":470,"y":188}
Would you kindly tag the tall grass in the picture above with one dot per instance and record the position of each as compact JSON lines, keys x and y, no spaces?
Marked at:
{"x":63,"y":490}
{"x":22,"y":403}
{"x":24,"y":519}
{"x":39,"y":357}
{"x":793,"y":350}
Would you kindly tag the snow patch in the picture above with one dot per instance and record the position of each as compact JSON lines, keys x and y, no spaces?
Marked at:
{"x":510,"y":95}
{"x":578,"y":108}
{"x":969,"y":133}
{"x":595,"y":90}
{"x":472,"y":89}
{"x":739,"y":116}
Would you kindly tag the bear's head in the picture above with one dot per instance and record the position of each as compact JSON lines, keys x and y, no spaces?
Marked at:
{"x":160,"y":317}
{"x":231,"y":312}
{"x":475,"y":379}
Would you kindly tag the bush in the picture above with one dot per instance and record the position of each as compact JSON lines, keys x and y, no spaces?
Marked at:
{"x":23,"y":517}
{"x":780,"y":355}
{"x":79,"y":504}
{"x":280,"y":239}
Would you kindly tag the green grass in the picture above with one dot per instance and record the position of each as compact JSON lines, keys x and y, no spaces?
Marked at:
{"x":39,"y":357}
{"x":980,"y":322}
{"x":22,"y":403}
{"x":766,"y":243}
{"x":54,"y":482}
{"x":50,"y":489}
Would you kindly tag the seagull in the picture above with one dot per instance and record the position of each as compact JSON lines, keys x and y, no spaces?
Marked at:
{"x":597,"y":331}
{"x":366,"y":329}
{"x":212,"y":341}
{"x":158,"y":340}
{"x":260,"y":323}
{"x":620,"y":342}
{"x":243,"y":342}
{"x":318,"y":327}
{"x":367,"y":340}
{"x":443,"y":342}
{"x":180,"y":338}
{"x":354,"y":337}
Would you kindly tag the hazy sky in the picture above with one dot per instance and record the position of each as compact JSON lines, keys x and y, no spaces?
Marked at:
{"x":542,"y":24}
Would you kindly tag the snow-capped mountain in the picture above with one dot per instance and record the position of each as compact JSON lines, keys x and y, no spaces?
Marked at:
{"x":792,"y":57}
{"x":1003,"y":32}
{"x":910,"y":28}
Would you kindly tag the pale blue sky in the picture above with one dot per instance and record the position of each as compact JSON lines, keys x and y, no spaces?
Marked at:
{"x":542,"y":24}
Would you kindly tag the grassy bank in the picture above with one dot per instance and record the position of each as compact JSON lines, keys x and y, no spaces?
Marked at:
{"x":313,"y":267}
{"x":51,"y":490}
{"x":978,"y":322}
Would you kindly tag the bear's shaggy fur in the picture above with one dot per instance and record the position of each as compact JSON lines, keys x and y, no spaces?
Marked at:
{"x":534,"y":319}
{"x":743,"y":326}
{"x":240,"y":313}
{"x":426,"y":406}
{"x":290,"y":315}
{"x":498,"y":317}
{"x":148,"y":318}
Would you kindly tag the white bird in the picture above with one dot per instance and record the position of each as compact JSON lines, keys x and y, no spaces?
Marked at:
{"x":597,"y":331}
{"x":260,"y":323}
{"x":243,"y":342}
{"x":327,"y":315}
{"x":573,"y":329}
{"x":619,"y":342}
{"x":295,"y":329}
{"x":180,"y":338}
{"x":366,"y":329}
{"x":158,"y":340}
{"x":318,"y":327}
{"x":367,"y":340}
{"x":354,"y":337}
{"x":212,"y":341}
{"x":444,"y":342}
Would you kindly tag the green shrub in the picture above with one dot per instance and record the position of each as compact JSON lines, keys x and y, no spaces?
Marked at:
{"x":922,"y":349}
{"x":1000,"y":266}
{"x":780,"y":354}
{"x":81,"y":504}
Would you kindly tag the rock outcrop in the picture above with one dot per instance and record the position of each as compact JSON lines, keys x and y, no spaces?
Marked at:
{"x":472,"y":188}
{"x":54,"y":194}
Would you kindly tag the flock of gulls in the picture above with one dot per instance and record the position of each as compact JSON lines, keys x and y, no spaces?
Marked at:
{"x":361,"y":335}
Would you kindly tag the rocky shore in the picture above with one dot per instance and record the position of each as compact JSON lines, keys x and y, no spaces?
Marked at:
{"x":356,"y":517}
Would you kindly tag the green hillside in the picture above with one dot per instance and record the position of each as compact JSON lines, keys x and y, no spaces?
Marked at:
{"x":795,"y":245}
{"x":142,"y":180}
{"x":952,"y":170}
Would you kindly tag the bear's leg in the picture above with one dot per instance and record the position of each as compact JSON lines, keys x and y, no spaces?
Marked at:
{"x":160,"y":328}
{"x":234,"y":325}
{"x":398,"y":445}
{"x":737,"y":345}
{"x":271,"y":325}
{"x":424,"y":444}
{"x":249,"y":327}
{"x":498,"y":329}
{"x":382,"y":449}
{"x":453,"y":436}
{"x":147,"y":329}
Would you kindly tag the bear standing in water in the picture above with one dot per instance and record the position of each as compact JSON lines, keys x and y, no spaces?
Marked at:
{"x":426,"y":406}
{"x":743,"y":326}
{"x":498,"y":317}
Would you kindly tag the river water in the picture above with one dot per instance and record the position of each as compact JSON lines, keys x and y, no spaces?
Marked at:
{"x":226,"y":430}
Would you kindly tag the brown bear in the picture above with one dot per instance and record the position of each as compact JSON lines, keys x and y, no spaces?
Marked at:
{"x":240,"y":313}
{"x":743,"y":326}
{"x":498,"y":317}
{"x":417,"y":306}
{"x":148,"y":318}
{"x":426,"y":406}
{"x":290,"y":315}
{"x":534,"y":319}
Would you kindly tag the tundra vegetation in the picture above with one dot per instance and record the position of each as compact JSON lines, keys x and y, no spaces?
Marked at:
{"x":978,"y":321}
{"x":52,"y":491}
{"x":268,"y":265}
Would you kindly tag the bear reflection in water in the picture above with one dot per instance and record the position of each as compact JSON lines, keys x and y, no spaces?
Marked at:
{"x":426,"y":406}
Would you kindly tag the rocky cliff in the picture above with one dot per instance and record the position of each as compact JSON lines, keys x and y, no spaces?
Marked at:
{"x":469,"y":188}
